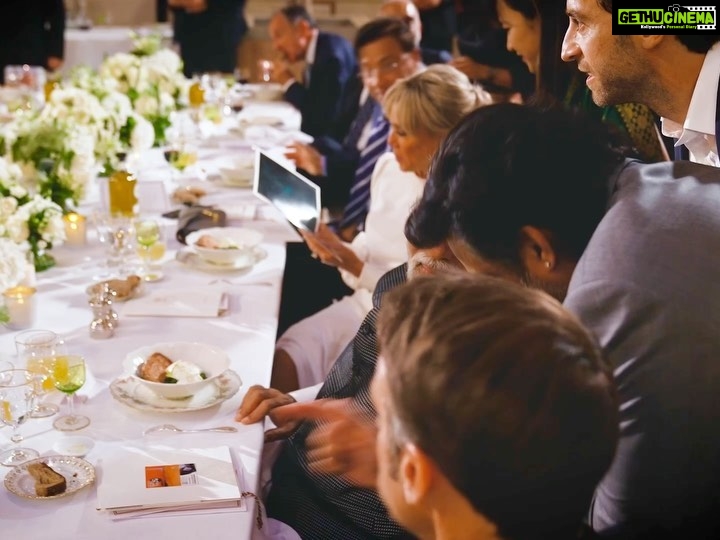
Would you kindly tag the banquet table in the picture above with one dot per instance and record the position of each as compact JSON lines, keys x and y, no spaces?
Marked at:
{"x":246,"y":333}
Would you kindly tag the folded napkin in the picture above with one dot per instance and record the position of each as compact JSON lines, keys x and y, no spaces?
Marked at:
{"x":194,"y":218}
{"x":200,"y":302}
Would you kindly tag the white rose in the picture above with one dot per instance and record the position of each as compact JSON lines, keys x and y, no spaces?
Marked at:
{"x":143,"y":134}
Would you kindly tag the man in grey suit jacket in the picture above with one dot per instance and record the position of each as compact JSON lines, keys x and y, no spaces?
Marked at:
{"x":634,"y":250}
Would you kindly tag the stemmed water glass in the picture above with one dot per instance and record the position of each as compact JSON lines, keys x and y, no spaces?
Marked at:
{"x":150,"y":247}
{"x":16,"y":403}
{"x":69,"y":377}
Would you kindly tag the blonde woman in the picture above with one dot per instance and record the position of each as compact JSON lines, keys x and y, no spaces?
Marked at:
{"x":421,"y":110}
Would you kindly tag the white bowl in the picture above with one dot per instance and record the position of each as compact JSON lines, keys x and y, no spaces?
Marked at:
{"x":75,"y":445}
{"x":211,"y":361}
{"x":244,"y":241}
{"x":240,"y":173}
{"x":267,"y":91}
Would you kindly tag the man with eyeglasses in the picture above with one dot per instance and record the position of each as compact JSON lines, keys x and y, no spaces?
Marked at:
{"x":387,"y":51}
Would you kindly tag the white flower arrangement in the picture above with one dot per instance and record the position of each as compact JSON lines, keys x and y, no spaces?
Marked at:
{"x":12,"y":263}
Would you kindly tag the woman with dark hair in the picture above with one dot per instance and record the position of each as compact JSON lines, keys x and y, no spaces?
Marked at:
{"x":535,"y":32}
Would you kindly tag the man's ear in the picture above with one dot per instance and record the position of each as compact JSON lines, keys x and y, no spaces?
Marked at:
{"x":416,"y":474}
{"x":536,"y":251}
{"x":649,"y":42}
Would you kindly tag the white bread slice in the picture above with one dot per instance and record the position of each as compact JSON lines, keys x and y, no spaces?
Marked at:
{"x":48,"y":482}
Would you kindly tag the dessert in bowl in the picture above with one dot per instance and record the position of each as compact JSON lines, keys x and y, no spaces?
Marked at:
{"x":227,"y":246}
{"x":176,"y":370}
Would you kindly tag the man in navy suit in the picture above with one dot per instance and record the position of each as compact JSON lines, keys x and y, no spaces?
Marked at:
{"x":330,"y":65}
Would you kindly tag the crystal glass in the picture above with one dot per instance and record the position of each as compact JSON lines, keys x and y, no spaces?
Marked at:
{"x":16,"y":403}
{"x":37,"y":350}
{"x":150,"y":247}
{"x":69,"y":377}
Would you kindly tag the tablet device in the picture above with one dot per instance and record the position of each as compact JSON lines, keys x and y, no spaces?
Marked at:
{"x":297,"y":198}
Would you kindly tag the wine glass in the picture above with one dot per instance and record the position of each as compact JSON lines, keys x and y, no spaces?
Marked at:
{"x":37,"y":348}
{"x":196,"y":97}
{"x":68,"y":377}
{"x":150,"y":247}
{"x":16,"y":402}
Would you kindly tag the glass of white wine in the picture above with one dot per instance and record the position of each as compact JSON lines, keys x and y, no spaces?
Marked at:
{"x":37,"y":349}
{"x":16,"y":403}
{"x":69,"y":377}
{"x":151,"y":247}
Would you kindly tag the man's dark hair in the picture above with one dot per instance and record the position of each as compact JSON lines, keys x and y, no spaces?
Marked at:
{"x":508,"y":394}
{"x":383,"y":27}
{"x":507,"y":166}
{"x":698,"y":44}
{"x":298,"y":13}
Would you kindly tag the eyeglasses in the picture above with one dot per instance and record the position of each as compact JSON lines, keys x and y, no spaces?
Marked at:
{"x":383,"y":68}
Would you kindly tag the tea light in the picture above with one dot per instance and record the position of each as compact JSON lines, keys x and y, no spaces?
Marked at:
{"x":20,"y":304}
{"x":75,"y":229}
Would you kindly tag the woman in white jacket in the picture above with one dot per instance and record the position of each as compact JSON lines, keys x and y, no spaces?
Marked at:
{"x":421,"y":110}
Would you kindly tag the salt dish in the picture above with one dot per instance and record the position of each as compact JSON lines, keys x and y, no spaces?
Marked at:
{"x":75,"y":445}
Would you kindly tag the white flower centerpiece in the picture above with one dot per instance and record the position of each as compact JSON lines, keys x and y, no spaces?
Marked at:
{"x":152,"y":79}
{"x":30,"y":221}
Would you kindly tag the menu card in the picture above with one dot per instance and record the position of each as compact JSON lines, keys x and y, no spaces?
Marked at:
{"x":201,"y":302}
{"x":143,"y":481}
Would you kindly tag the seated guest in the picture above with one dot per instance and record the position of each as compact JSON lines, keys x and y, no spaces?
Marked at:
{"x":627,"y":247}
{"x":316,"y":504}
{"x":331,"y":161}
{"x":406,"y":11}
{"x":535,"y":31}
{"x":387,"y":53}
{"x":330,"y":65}
{"x":421,"y":109}
{"x":482,"y":55}
{"x":497,"y":414}
{"x":675,"y":75}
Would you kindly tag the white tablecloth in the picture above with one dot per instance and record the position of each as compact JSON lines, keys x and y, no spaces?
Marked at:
{"x":90,"y":47}
{"x":247,"y":334}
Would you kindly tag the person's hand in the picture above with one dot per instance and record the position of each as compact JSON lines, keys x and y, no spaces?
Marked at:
{"x":343,"y":443}
{"x":195,"y":6}
{"x":471,"y":68}
{"x":330,"y":249}
{"x":305,"y":157}
{"x":281,"y":72}
{"x":54,"y":63}
{"x":260,"y":402}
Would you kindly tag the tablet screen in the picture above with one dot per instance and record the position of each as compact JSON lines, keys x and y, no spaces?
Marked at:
{"x":297,"y":198}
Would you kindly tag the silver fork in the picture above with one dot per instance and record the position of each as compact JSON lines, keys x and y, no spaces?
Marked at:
{"x":175,"y":429}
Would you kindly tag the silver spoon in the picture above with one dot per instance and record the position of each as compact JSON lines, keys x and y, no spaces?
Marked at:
{"x":175,"y":429}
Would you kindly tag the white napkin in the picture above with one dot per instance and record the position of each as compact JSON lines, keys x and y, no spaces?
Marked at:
{"x":201,"y":302}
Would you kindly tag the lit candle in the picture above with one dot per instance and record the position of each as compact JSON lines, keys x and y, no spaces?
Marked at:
{"x":74,"y":229}
{"x":20,"y":304}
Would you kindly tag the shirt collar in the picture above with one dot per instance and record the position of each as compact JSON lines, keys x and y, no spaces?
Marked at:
{"x":312,"y":46}
{"x":700,"y":117}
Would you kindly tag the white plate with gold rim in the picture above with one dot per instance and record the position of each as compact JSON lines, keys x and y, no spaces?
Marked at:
{"x":78,"y":474}
{"x":133,"y":394}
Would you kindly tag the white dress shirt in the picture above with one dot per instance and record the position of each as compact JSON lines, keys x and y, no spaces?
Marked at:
{"x":698,"y":131}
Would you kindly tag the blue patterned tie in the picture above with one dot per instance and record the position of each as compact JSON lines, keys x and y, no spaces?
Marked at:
{"x":359,"y":203}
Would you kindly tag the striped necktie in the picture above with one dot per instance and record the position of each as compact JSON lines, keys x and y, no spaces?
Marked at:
{"x":359,"y":202}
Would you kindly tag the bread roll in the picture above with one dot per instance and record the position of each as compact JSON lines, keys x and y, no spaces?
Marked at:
{"x":48,"y":482}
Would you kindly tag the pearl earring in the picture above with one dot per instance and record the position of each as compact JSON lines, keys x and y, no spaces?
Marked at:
{"x":548,"y":265}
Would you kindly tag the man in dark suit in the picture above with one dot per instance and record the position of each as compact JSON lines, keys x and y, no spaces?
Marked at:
{"x":33,"y":36}
{"x":330,"y":65}
{"x":208,"y":33}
